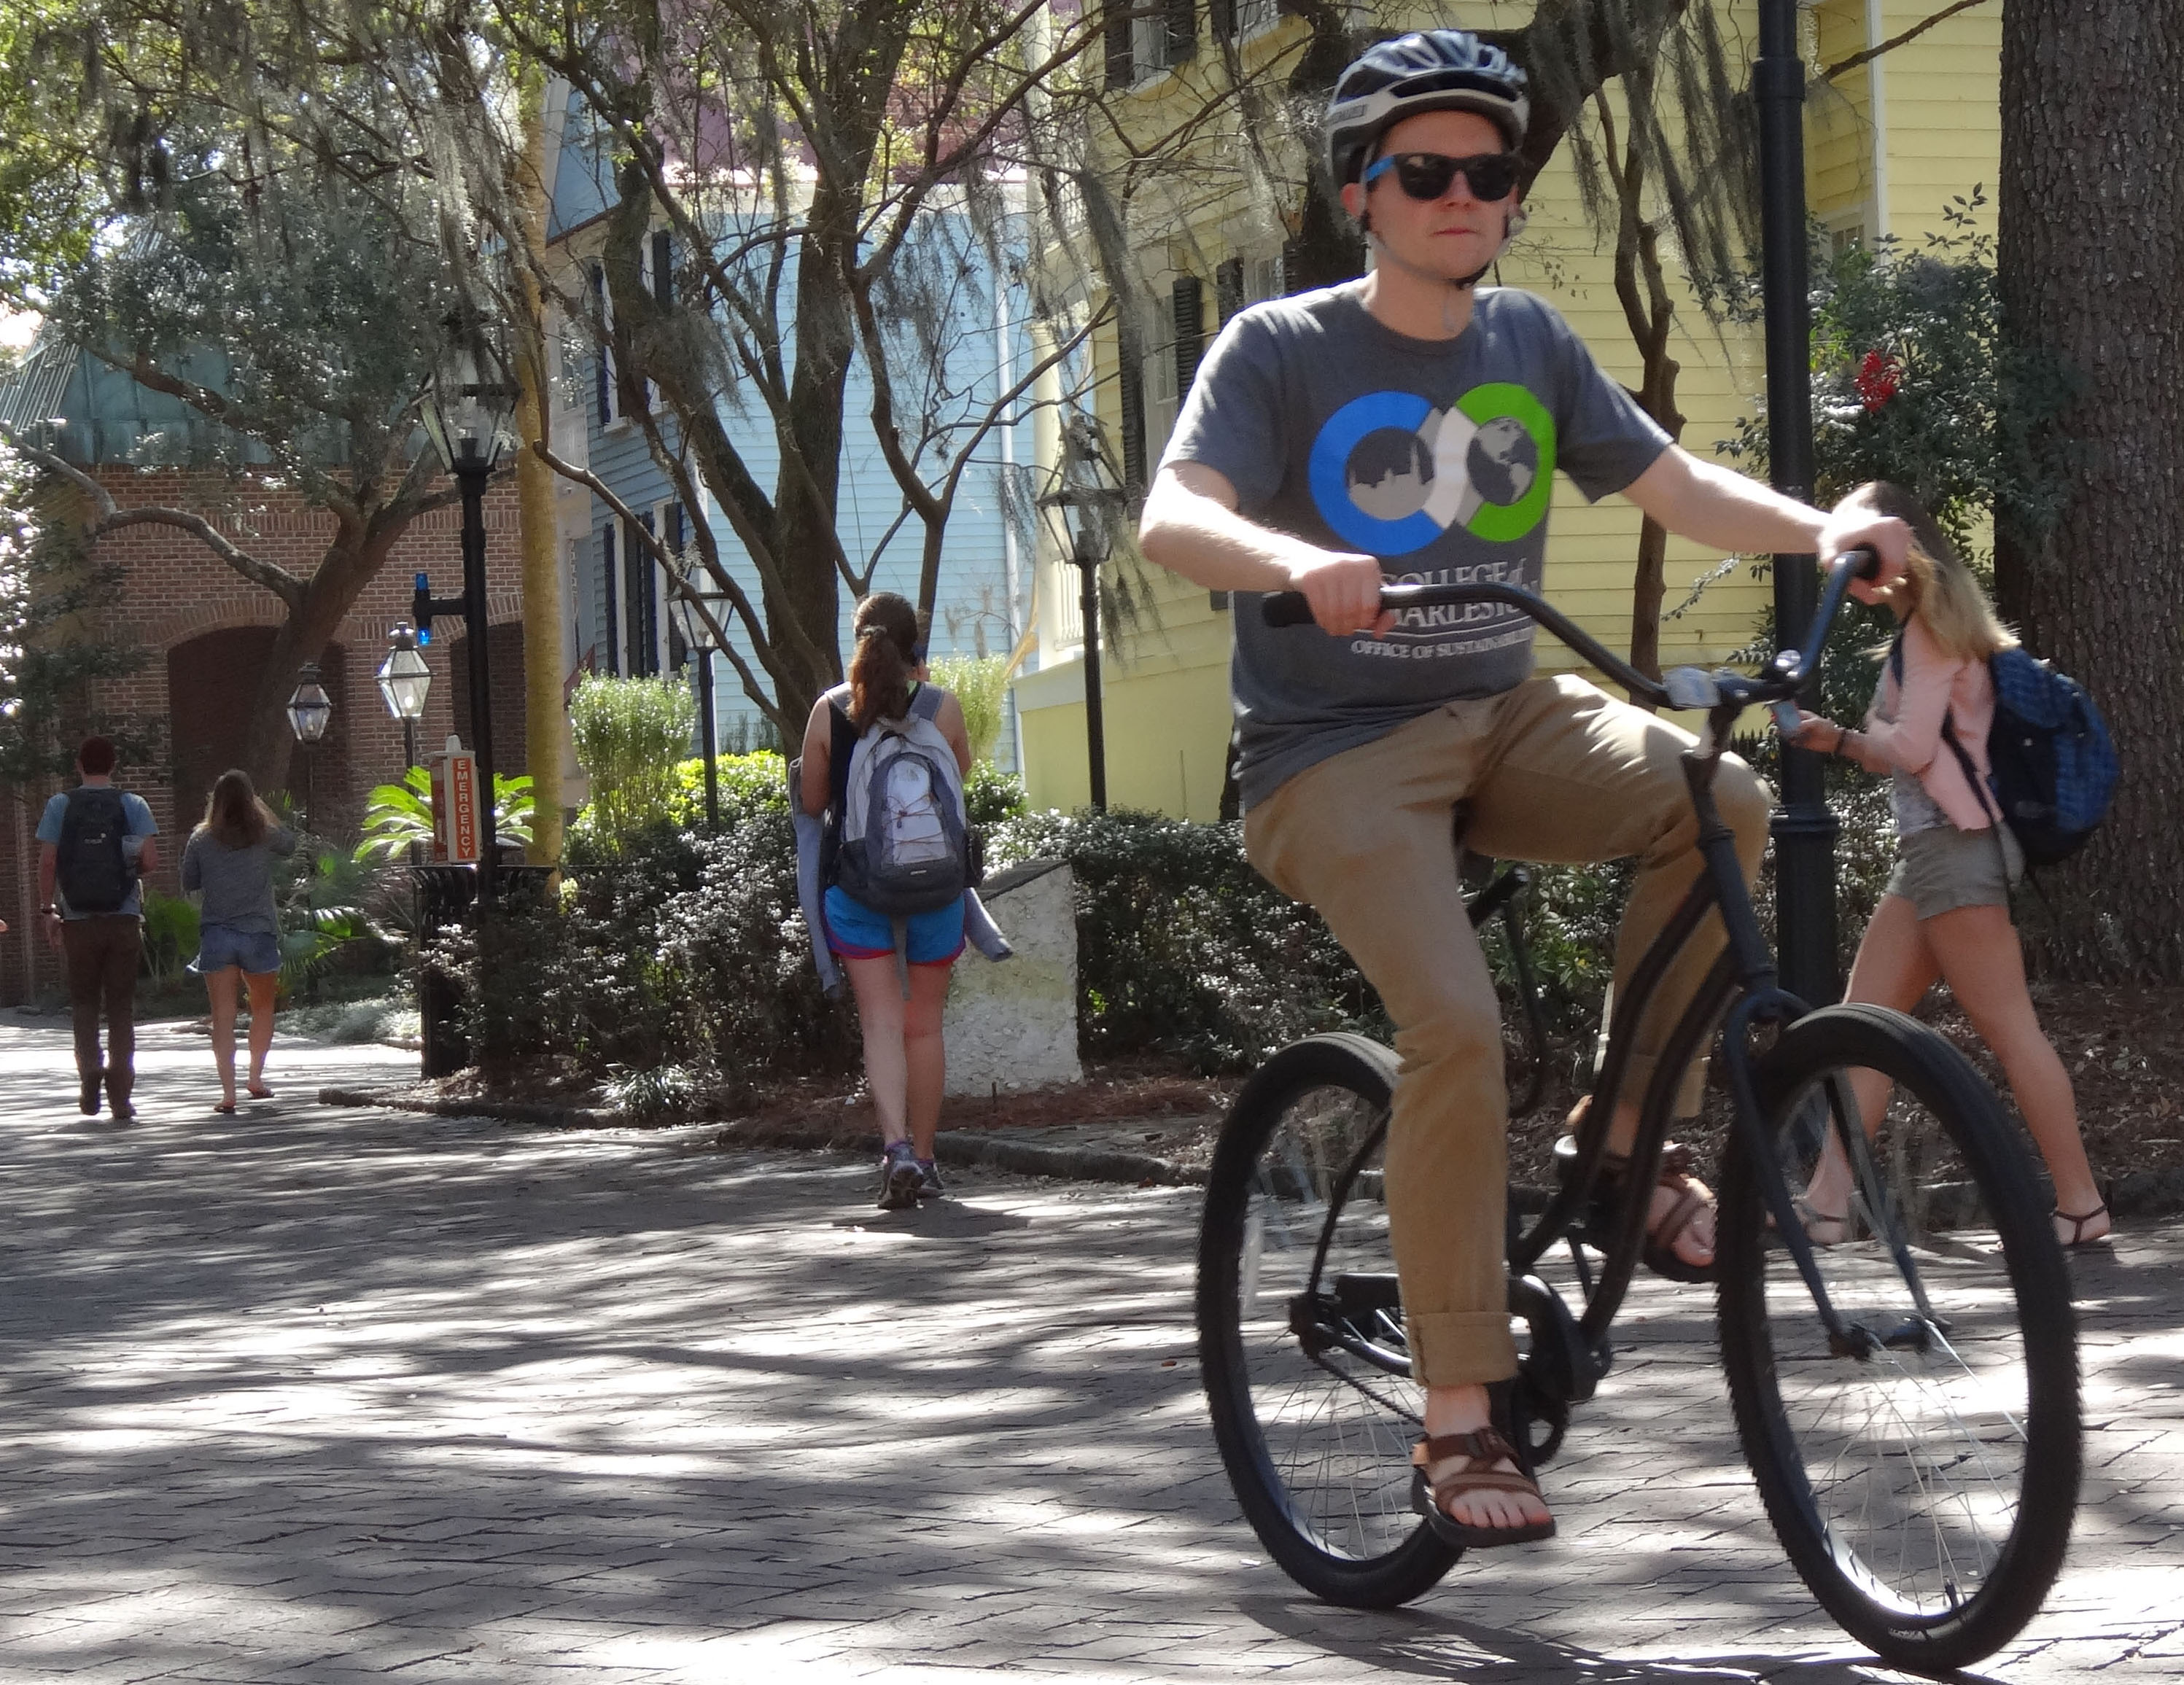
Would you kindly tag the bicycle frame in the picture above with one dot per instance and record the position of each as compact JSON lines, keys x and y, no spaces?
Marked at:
{"x":1740,"y":992}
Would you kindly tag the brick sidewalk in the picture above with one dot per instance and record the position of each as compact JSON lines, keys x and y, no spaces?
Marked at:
{"x":316,"y":1394}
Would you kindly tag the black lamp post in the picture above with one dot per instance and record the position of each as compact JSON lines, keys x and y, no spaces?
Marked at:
{"x":403,"y":681}
{"x":310,"y":711}
{"x":1089,"y":505}
{"x":1804,"y":829}
{"x":467,"y":417}
{"x":695,"y":626}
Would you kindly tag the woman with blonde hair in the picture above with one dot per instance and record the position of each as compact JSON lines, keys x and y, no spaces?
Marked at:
{"x":229,"y":864}
{"x":899,"y":1011}
{"x":1945,"y":911}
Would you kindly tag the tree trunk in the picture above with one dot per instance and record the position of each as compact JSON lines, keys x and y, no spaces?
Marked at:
{"x":347,"y":566}
{"x":2092,"y":241}
{"x":545,"y":723}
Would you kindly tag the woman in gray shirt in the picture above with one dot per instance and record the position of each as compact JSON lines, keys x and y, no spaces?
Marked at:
{"x":229,"y":862}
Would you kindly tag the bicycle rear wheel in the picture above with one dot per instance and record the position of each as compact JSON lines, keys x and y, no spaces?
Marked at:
{"x":1300,"y":1328}
{"x":1922,"y":1474}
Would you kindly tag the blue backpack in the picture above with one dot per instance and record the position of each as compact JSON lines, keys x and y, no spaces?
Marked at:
{"x":2054,"y":770}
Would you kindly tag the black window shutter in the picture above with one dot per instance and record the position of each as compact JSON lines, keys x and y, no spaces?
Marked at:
{"x":1134,"y":427}
{"x":1188,"y":297}
{"x":1228,"y":288}
{"x":663,"y":269}
{"x":604,"y":370}
{"x":1221,"y":16}
{"x":608,"y":632}
{"x":1286,"y":282}
{"x":1181,"y":17}
{"x":1121,"y":72}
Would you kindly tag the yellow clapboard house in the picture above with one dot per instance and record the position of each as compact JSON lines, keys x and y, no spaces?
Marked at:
{"x":1888,"y":146}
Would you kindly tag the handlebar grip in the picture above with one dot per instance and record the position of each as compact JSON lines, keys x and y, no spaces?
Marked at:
{"x":1869,"y":565}
{"x":1285,"y":609}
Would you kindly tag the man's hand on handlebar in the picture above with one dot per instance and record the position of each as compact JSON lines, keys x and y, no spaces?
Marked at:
{"x":1343,"y":590}
{"x":1853,"y":526}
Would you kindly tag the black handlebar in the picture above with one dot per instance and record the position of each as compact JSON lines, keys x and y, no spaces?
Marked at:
{"x":1784,"y":677}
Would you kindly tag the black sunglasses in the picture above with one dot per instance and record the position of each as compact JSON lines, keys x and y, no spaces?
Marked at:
{"x":1426,"y":175}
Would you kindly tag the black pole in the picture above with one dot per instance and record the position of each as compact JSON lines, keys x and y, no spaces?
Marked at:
{"x":704,"y":655}
{"x":472,"y":470}
{"x":409,"y":742}
{"x":1804,"y":829}
{"x":1095,"y":731}
{"x":308,"y":801}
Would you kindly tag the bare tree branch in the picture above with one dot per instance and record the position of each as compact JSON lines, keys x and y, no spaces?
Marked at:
{"x":1856,"y":59}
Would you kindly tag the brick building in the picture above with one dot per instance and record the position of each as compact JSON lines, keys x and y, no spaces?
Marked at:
{"x":207,"y":632}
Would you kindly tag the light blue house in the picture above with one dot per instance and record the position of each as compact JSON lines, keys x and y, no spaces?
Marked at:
{"x":617,"y":597}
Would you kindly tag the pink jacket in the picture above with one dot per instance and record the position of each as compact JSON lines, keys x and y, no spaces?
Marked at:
{"x":1935,"y":682}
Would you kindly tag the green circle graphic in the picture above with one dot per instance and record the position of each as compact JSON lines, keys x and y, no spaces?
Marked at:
{"x":1493,"y":401}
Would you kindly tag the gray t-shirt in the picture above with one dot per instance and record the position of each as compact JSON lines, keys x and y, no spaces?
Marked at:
{"x":236,"y":883}
{"x":1436,"y":456}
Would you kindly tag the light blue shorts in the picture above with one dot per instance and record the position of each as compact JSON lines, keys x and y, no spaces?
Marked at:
{"x":220,"y":946}
{"x":855,"y":931}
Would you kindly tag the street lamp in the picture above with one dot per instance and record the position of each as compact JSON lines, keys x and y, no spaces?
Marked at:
{"x":1804,"y":829}
{"x":696,"y":585}
{"x":1089,"y":503}
{"x":310,"y":711}
{"x":404,"y":680}
{"x":467,"y":416}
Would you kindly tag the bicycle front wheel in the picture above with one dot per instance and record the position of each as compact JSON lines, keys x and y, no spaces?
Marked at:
{"x":1300,"y":1328}
{"x":1920,"y":1469}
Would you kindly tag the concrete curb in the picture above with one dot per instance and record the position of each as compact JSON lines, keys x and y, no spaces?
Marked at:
{"x":950,"y":1146}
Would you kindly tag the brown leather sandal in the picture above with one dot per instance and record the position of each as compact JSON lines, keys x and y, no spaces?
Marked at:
{"x":2078,"y":1238}
{"x":1662,"y":1234}
{"x":1481,"y":1450}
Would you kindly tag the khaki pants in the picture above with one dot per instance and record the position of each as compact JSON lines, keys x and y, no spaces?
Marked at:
{"x":1555,"y":770}
{"x":104,"y":951}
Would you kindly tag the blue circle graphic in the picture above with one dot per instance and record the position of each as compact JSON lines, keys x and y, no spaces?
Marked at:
{"x":1342,"y":433}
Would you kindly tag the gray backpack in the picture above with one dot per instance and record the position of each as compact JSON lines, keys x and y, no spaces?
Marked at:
{"x":903,"y":846}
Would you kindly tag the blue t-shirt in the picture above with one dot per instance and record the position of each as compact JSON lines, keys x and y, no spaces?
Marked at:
{"x":1436,"y":456}
{"x":137,"y":812}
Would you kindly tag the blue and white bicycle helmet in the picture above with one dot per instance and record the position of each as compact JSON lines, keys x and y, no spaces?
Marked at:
{"x":1430,"y":70}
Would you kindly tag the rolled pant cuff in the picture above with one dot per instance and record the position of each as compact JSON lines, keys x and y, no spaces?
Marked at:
{"x":1461,"y":1347}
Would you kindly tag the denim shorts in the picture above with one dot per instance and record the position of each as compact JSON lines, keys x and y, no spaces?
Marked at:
{"x":220,"y":946}
{"x":855,"y":931}
{"x":1941,"y":869}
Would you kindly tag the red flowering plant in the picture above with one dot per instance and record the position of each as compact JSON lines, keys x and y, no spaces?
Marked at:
{"x":1878,"y":378}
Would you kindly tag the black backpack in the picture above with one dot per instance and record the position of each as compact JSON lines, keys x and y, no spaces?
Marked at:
{"x":93,"y":873}
{"x":2054,"y":769}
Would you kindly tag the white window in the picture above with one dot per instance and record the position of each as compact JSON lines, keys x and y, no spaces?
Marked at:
{"x":1262,"y":278}
{"x":1161,"y":399}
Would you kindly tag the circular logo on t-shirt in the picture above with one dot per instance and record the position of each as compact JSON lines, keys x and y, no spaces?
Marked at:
{"x":1391,"y":473}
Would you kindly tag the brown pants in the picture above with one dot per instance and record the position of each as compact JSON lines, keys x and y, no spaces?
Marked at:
{"x":1555,"y":770}
{"x":104,"y":951}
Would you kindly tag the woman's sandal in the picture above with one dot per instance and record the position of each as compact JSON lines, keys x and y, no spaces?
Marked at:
{"x":225,"y":1108}
{"x":2078,"y":1238}
{"x":1481,"y":1451}
{"x":1815,"y":1220}
{"x":258,"y":1091}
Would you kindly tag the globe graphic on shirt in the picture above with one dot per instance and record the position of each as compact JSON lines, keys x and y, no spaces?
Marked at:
{"x":1503,"y":461}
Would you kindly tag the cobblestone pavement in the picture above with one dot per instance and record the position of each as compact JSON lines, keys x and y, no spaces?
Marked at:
{"x":316,"y":1394}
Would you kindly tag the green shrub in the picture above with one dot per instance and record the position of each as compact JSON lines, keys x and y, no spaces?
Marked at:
{"x":981,"y":684}
{"x":991,"y":795}
{"x":749,"y":785}
{"x":399,"y":815}
{"x":171,"y":935}
{"x":630,"y":737}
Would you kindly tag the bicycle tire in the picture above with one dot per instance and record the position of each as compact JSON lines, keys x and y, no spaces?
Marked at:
{"x":1932,"y":1527}
{"x":1317,"y":1447}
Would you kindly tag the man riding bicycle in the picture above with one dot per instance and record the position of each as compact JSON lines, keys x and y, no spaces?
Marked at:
{"x":1407,"y":425}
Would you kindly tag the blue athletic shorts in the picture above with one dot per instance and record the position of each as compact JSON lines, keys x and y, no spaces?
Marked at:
{"x":220,"y":947}
{"x":855,"y":931}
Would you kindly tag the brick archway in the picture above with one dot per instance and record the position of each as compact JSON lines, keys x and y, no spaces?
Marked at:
{"x":212,"y":680}
{"x":504,"y":673}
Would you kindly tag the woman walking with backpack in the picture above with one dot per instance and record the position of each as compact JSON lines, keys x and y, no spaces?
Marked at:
{"x":1945,"y":912}
{"x":899,"y":965}
{"x":229,"y":862}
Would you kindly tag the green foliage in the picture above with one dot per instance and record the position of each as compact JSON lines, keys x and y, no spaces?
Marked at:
{"x":171,"y":935}
{"x":991,"y":795}
{"x":324,"y":896}
{"x":749,"y":785}
{"x":1918,"y":377}
{"x":672,"y":965}
{"x":399,"y":816}
{"x":981,"y":684}
{"x":630,"y":736}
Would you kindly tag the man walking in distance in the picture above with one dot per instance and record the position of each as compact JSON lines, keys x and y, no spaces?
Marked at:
{"x":96,"y":845}
{"x":1407,"y":425}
